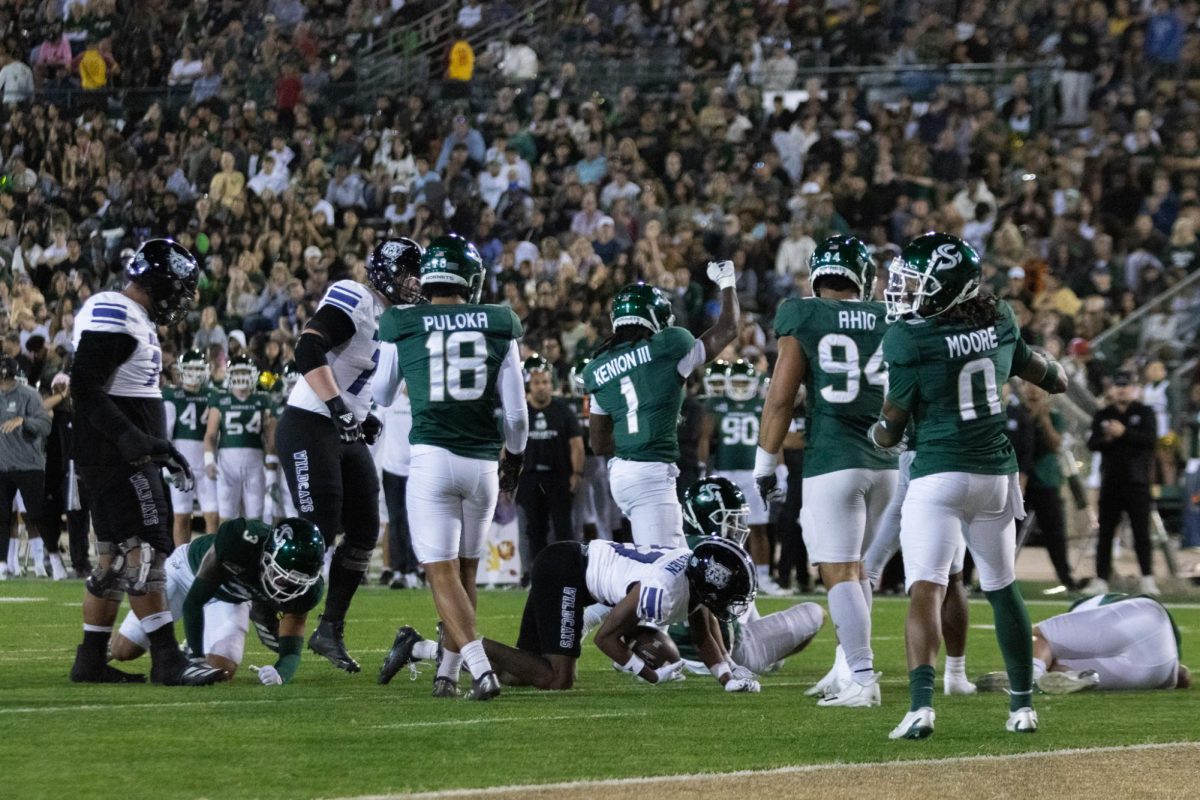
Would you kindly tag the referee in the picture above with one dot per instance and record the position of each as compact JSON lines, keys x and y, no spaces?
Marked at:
{"x":553,"y":463}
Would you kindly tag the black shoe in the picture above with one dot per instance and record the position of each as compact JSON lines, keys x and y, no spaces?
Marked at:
{"x":437,"y":660}
{"x":174,"y":669}
{"x":385,"y":577}
{"x":444,"y":687}
{"x":485,"y":687}
{"x":397,"y":581}
{"x":401,"y":653}
{"x":89,"y":669}
{"x":327,"y":641}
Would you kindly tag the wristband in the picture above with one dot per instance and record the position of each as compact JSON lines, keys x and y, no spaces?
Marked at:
{"x":764,"y":462}
{"x":210,"y":458}
{"x":272,"y":461}
{"x":633,"y":666}
{"x":720,"y":670}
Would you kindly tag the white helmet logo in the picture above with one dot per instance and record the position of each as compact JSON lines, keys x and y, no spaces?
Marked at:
{"x":717,"y":575}
{"x":946,"y":256}
{"x":392,"y":250}
{"x":282,"y":534}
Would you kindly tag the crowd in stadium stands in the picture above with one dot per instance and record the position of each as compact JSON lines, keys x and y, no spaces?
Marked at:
{"x":1084,"y":209}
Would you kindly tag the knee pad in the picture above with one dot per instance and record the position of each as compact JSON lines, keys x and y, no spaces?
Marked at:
{"x":352,"y":557}
{"x":105,"y":582}
{"x":145,"y":574}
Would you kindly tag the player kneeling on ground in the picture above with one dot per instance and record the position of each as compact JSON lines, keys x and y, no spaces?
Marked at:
{"x":717,"y":507}
{"x":213,"y":581}
{"x":643,"y":585}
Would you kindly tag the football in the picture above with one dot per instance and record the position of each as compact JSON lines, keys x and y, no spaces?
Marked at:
{"x":652,"y":646}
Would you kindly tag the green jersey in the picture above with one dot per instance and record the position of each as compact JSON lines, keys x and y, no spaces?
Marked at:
{"x":639,"y":385}
{"x":238,"y":544}
{"x":948,"y":375}
{"x":450,"y":357}
{"x":241,"y":420}
{"x":735,"y":433}
{"x":189,"y":408}
{"x":846,"y":379}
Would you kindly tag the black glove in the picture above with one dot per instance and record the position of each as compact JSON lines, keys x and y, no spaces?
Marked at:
{"x":349,"y":431}
{"x":768,"y":489}
{"x":135,"y":446}
{"x":510,"y":471}
{"x":177,"y":465}
{"x":372,"y":428}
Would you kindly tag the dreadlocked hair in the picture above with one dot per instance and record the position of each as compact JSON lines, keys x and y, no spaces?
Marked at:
{"x":980,"y":311}
{"x":624,"y":335}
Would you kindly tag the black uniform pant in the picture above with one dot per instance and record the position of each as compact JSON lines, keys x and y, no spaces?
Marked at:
{"x":1134,"y":501}
{"x":401,"y":557}
{"x":793,"y":555}
{"x":544,"y":498}
{"x":78,"y":521}
{"x":1046,"y":503}
{"x":30,"y":483}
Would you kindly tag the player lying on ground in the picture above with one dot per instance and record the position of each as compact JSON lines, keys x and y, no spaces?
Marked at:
{"x":212,"y":582}
{"x":643,"y":585}
{"x":717,"y":507}
{"x":1113,"y":641}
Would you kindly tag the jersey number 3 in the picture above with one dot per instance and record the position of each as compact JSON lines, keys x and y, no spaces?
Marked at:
{"x":448,"y":364}
{"x":829,"y":348}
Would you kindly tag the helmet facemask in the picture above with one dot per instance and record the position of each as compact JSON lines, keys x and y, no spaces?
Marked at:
{"x":242,"y":378}
{"x":193,"y":374}
{"x":283,"y":584}
{"x":741,"y":387}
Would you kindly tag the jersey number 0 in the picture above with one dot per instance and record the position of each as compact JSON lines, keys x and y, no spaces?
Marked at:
{"x":448,"y":364}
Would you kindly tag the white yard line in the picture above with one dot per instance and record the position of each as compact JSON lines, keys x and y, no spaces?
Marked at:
{"x":489,"y":720}
{"x":117,"y":706}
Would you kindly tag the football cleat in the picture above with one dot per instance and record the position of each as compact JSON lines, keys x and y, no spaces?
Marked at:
{"x":1023,"y":720}
{"x":828,"y":686}
{"x":175,"y":669}
{"x":855,"y":695}
{"x":915,"y":725}
{"x":401,"y":653}
{"x":992,"y":682}
{"x":328,"y":641}
{"x":957,"y":685}
{"x":444,"y":687}
{"x":1096,"y":586}
{"x":767,"y":586}
{"x":1068,"y":682}
{"x":485,"y":687}
{"x":1148,"y":586}
{"x":93,"y":670}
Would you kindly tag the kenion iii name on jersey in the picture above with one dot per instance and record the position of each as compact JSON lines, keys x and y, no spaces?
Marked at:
{"x":622,"y":364}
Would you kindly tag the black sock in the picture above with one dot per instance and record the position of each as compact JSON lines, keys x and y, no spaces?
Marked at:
{"x":343,"y":583}
{"x":95,"y":643}
{"x":163,"y":641}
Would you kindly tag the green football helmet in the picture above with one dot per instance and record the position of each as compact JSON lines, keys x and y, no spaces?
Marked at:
{"x":292,"y":559}
{"x":536,"y":363}
{"x":193,"y":370}
{"x":452,"y":259}
{"x":241,"y":375}
{"x":933,"y":273}
{"x":290,"y":377}
{"x":642,"y":304}
{"x":716,"y":507}
{"x":716,"y":378}
{"x":846,"y":257}
{"x":575,"y":378}
{"x":742,"y":381}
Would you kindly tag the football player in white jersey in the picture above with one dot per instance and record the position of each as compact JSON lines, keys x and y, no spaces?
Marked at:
{"x":120,"y":449}
{"x":322,"y":437}
{"x":642,"y":585}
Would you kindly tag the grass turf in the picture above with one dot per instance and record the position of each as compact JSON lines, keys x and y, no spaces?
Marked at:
{"x":333,"y":734}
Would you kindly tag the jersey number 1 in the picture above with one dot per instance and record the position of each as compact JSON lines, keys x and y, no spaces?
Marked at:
{"x":447,"y":365}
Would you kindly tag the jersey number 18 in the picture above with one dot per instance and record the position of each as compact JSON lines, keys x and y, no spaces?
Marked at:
{"x":448,"y":364}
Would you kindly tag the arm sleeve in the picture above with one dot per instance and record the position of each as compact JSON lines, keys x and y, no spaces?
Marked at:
{"x":36,"y":417}
{"x":290,"y":648}
{"x":512,"y":398}
{"x":334,"y":326}
{"x":694,"y":359}
{"x":96,"y":358}
{"x":387,"y":375}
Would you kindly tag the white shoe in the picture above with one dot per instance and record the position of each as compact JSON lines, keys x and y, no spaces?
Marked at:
{"x":1149,"y":586}
{"x":855,"y":695}
{"x":1096,"y":586}
{"x":768,"y":587}
{"x":57,"y":570}
{"x":412,"y":580}
{"x":827,"y":686}
{"x":957,"y":685}
{"x":3,"y":570}
{"x":1023,"y":720}
{"x":39,"y":569}
{"x":1068,"y":682}
{"x":915,"y":725}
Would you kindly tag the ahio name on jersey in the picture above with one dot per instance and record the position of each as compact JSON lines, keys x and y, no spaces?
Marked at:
{"x":354,"y":362}
{"x":113,"y":312}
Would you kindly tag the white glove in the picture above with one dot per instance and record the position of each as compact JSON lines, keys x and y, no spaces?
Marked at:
{"x":269,"y":676}
{"x":743,"y":685}
{"x":722,"y":274}
{"x":668,"y":672}
{"x":741,"y":673}
{"x":894,"y":450}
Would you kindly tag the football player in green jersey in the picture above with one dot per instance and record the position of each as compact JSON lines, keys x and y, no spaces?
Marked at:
{"x":947,"y":356}
{"x":457,"y":358}
{"x":832,"y":343}
{"x":635,"y":381}
{"x":212,"y":582}
{"x":594,"y":505}
{"x":240,"y":426}
{"x":187,"y":413}
{"x":716,"y":378}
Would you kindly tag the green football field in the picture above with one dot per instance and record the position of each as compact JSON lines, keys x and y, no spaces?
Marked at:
{"x":331,"y":734}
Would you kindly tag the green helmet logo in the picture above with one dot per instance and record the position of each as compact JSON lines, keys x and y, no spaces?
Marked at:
{"x":536,"y":363}
{"x":716,"y":507}
{"x":575,"y":379}
{"x":452,"y":259}
{"x":741,"y":381}
{"x":846,"y":257}
{"x":642,"y":304}
{"x":933,"y":273}
{"x":292,"y":559}
{"x":716,"y":378}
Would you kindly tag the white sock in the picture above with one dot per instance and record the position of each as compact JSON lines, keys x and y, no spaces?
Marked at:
{"x":425,"y":649}
{"x":852,"y":617}
{"x":762,"y":570}
{"x":840,"y":667}
{"x":37,"y":550}
{"x":1039,"y":668}
{"x":956,"y":666}
{"x":475,"y":659}
{"x":450,"y":666}
{"x":328,"y":561}
{"x":868,"y":594}
{"x":153,"y":622}
{"x":14,"y":561}
{"x":593,"y":615}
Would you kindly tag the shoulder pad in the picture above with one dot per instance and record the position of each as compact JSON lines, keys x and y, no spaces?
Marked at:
{"x":346,"y":295}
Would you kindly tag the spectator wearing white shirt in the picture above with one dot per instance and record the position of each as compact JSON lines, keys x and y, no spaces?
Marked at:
{"x":513,"y":161}
{"x":620,"y":187}
{"x":470,"y":14}
{"x":520,"y":61}
{"x":492,"y":184}
{"x":779,"y":73}
{"x":16,"y":80}
{"x":186,"y":68}
{"x":586,"y":220}
{"x":794,"y":252}
{"x":346,"y":188}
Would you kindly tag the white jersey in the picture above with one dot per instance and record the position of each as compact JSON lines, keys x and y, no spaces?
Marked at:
{"x":613,"y":567}
{"x":397,"y":422}
{"x":354,"y":362}
{"x":113,"y":312}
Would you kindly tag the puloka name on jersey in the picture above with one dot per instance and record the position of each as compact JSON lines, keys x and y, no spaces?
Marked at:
{"x":468,"y":320}
{"x":857,"y":320}
{"x":962,"y":344}
{"x":622,"y":364}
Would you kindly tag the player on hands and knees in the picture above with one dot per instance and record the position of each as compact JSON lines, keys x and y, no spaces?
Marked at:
{"x":323,"y":434}
{"x":643,"y":586}
{"x":120,"y":449}
{"x":187,"y":410}
{"x":457,"y":358}
{"x":948,"y":353}
{"x":832,"y":343}
{"x":213,"y":582}
{"x":235,"y":442}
